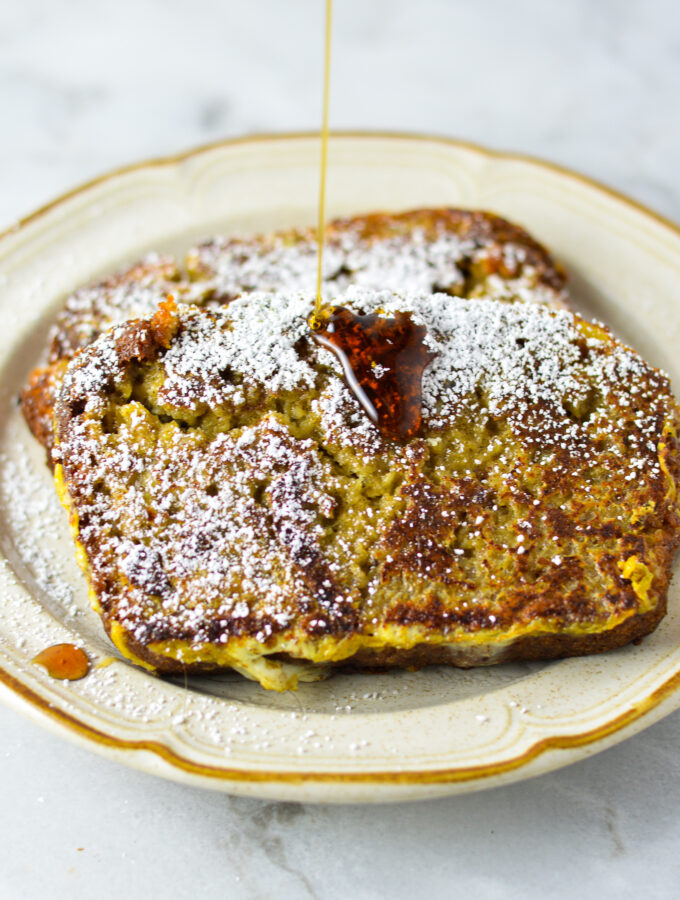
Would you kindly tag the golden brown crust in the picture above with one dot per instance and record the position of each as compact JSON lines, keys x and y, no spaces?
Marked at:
{"x":529,"y":648}
{"x":481,"y":228}
{"x":86,"y":314}
{"x":38,"y":399}
{"x":486,"y":245}
{"x":93,"y":309}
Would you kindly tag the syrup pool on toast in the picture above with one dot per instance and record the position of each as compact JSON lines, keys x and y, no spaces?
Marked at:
{"x":382,"y":359}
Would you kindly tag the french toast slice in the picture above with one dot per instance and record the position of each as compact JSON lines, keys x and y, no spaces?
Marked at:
{"x":457,"y":251}
{"x":466,"y":253}
{"x":234,"y":507}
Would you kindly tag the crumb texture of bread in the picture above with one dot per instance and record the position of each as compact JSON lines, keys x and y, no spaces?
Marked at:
{"x":233,"y":506}
{"x":460,"y":252}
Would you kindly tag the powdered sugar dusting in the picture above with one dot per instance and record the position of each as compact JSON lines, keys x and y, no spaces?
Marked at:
{"x":213,"y":534}
{"x":93,"y":308}
{"x":217,"y":542}
{"x":523,"y":358}
{"x":256,"y":341}
{"x":408,"y":263}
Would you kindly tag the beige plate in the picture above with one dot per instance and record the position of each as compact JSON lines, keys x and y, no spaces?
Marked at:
{"x":354,"y":738}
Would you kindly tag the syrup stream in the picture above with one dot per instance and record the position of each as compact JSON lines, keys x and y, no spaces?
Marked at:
{"x":382,"y":358}
{"x":321,"y":231}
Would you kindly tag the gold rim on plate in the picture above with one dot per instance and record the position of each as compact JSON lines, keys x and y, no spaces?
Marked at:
{"x":445,"y":775}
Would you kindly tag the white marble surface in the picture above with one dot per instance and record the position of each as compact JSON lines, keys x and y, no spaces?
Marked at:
{"x":85,"y":86}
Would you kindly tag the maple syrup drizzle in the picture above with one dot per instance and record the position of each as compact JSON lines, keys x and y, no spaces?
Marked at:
{"x":64,"y":661}
{"x":383,"y":360}
{"x":321,"y":230}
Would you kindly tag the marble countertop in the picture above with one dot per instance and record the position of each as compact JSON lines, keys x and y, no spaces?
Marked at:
{"x":86,"y":86}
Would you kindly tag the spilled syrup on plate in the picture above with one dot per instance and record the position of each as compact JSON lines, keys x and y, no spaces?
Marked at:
{"x":64,"y":661}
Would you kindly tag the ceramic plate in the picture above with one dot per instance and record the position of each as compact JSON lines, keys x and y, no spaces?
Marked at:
{"x":353,"y":738}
